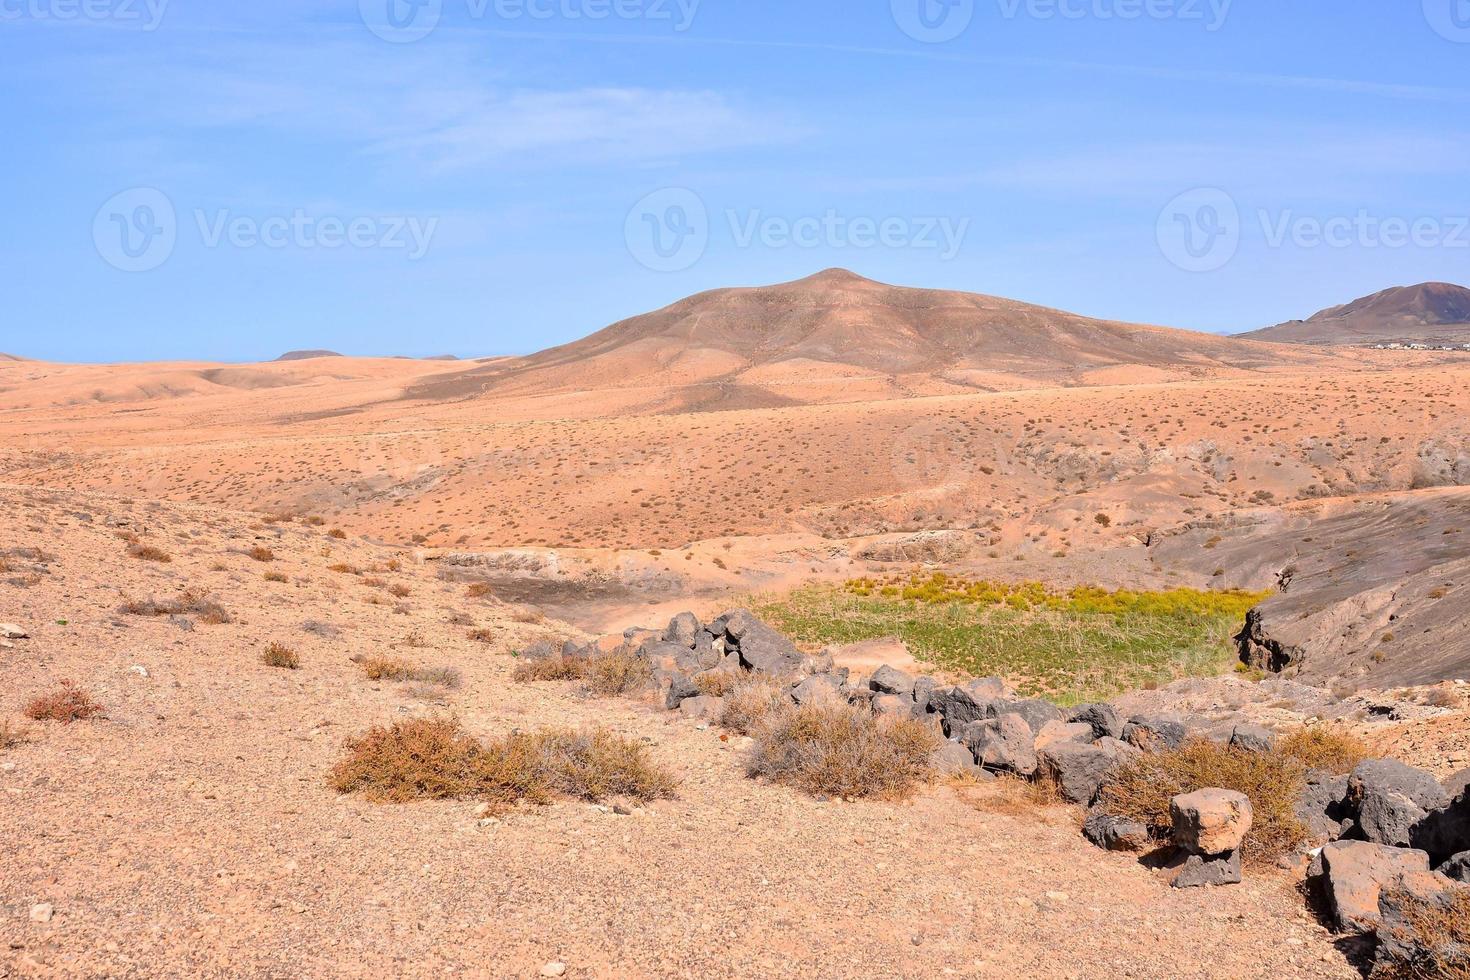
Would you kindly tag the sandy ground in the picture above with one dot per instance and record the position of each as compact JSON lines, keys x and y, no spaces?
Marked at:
{"x":191,"y":831}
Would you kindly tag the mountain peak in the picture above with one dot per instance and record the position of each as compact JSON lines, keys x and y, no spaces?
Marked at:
{"x":1429,"y":312}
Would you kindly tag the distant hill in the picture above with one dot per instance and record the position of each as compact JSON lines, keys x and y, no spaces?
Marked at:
{"x":826,"y":336}
{"x":9,"y":357}
{"x":306,"y":355}
{"x":1429,"y":313}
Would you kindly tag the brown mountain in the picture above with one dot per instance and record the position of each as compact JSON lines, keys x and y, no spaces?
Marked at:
{"x":1429,"y":313}
{"x":306,"y":355}
{"x":837,"y":335}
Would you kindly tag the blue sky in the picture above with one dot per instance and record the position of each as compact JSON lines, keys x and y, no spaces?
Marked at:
{"x":191,"y":179}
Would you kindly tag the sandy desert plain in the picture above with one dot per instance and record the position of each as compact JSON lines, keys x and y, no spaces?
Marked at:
{"x":165,"y":525}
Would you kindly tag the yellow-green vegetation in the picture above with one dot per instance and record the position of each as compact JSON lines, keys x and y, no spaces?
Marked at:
{"x":1074,"y":646}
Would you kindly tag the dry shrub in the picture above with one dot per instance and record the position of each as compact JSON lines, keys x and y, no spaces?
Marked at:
{"x":280,"y":655}
{"x":345,"y":569}
{"x":399,"y":591}
{"x":189,"y":602}
{"x":617,"y":673}
{"x":276,"y":577}
{"x":1273,"y":781}
{"x":12,"y":735}
{"x":435,"y":759}
{"x":717,"y":683}
{"x":549,"y":669}
{"x":482,"y":635}
{"x":337,"y":533}
{"x":843,"y":751}
{"x":598,"y":764}
{"x":444,"y":677}
{"x":261,"y":553}
{"x":478,"y":590}
{"x":1436,"y":935}
{"x":431,"y":759}
{"x":379,"y":667}
{"x":753,"y":699}
{"x":68,"y":703}
{"x":1324,"y":747}
{"x":1013,"y":796}
{"x":148,"y":552}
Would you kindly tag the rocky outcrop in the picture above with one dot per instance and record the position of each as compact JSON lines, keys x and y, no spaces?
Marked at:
{"x":1382,"y":597}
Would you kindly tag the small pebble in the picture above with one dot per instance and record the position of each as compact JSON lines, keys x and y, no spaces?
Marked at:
{"x":553,"y":969}
{"x":42,"y":912}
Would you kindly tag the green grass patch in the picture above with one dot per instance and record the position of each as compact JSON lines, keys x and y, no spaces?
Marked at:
{"x":1072,"y":646}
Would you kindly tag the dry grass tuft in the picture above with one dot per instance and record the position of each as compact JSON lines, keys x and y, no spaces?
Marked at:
{"x":717,"y":683}
{"x":479,"y":590}
{"x":550,"y":669}
{"x":435,"y":759}
{"x":617,"y":673}
{"x":1436,"y":933}
{"x":750,"y":702}
{"x":843,"y":751}
{"x":1271,"y":780}
{"x":261,"y":553}
{"x":598,"y":764}
{"x":189,"y":602}
{"x":282,"y":656}
{"x":66,"y":704}
{"x":1013,"y":796}
{"x":148,"y":552}
{"x":379,"y":667}
{"x":1326,"y":748}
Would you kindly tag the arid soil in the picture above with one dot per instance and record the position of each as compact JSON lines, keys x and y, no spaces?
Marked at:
{"x":191,"y":832}
{"x":740,"y":441}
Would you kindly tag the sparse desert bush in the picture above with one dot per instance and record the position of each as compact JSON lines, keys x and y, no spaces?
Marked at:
{"x":189,"y":602}
{"x":598,"y":764}
{"x":1272,"y":781}
{"x":616,"y":673}
{"x":148,"y":552}
{"x":261,"y":553}
{"x":278,"y":577}
{"x":380,"y":667}
{"x":843,"y":751}
{"x":399,"y":591}
{"x":337,"y":533}
{"x":66,"y":704}
{"x":1325,"y":747}
{"x":717,"y":683}
{"x":435,"y":759}
{"x":444,"y":677}
{"x":280,"y":655}
{"x":753,"y":699}
{"x":482,"y":635}
{"x":345,"y":569}
{"x":549,"y":669}
{"x":478,"y":590}
{"x":1434,"y":934}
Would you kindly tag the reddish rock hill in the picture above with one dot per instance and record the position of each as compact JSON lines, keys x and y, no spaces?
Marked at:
{"x":1429,"y":313}
{"x":787,"y":339}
